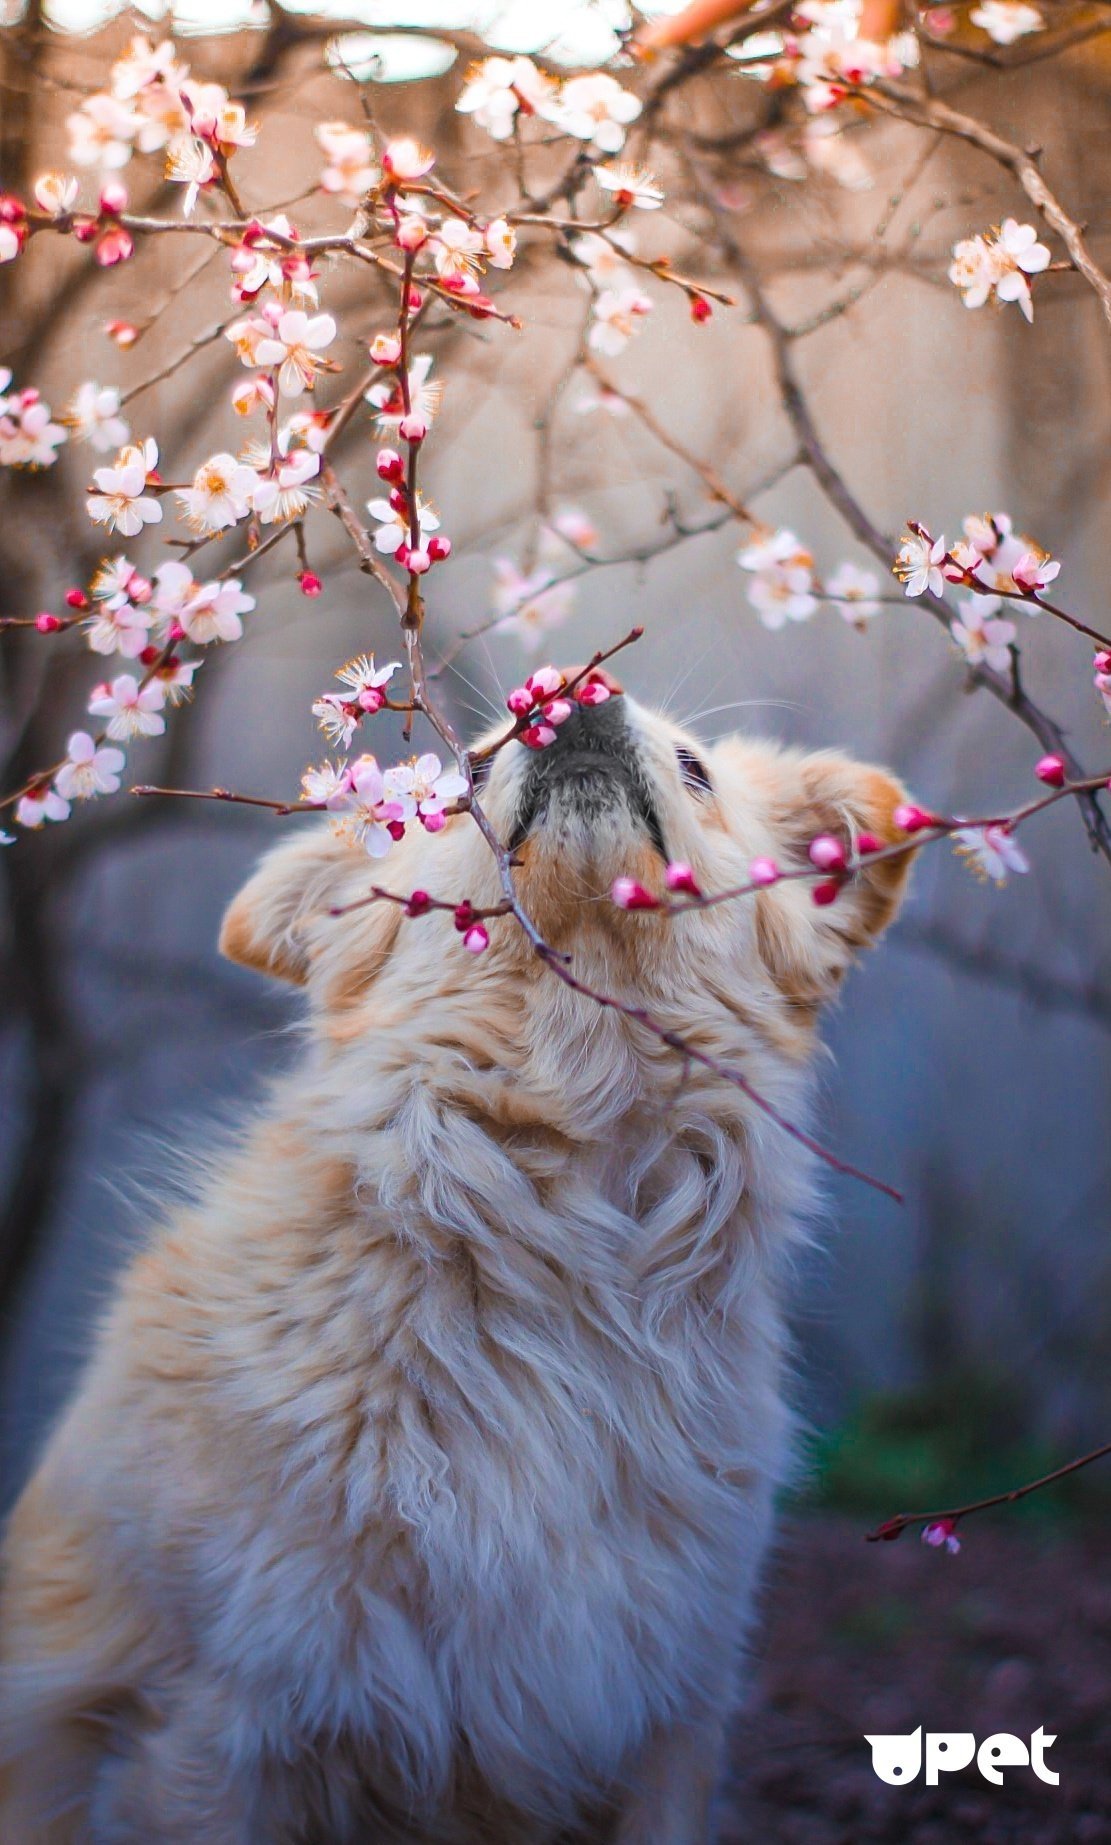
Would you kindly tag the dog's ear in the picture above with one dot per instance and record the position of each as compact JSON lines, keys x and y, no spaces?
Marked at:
{"x":267,"y":926}
{"x":809,"y":947}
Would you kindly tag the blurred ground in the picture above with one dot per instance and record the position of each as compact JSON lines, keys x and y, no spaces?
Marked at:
{"x":1013,"y":1633}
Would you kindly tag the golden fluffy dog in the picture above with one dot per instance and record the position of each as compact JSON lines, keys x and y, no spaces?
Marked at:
{"x":418,"y":1484}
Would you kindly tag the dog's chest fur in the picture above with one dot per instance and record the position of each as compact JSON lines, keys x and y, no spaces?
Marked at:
{"x":499,"y":1428}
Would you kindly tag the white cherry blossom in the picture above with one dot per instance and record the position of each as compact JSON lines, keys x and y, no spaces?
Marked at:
{"x":220,"y":494}
{"x":500,"y":89}
{"x":1005,"y":21}
{"x":88,"y":770}
{"x":295,"y":347}
{"x":132,"y":710}
{"x":94,"y":416}
{"x":120,"y":500}
{"x":594,"y":108}
{"x":983,"y":636}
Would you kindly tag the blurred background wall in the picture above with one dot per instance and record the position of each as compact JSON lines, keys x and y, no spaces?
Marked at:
{"x":970,"y":1057}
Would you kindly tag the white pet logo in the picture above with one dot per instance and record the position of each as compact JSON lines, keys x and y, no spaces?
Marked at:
{"x":898,"y":1759}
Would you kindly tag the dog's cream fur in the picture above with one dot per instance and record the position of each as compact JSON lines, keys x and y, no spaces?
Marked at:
{"x":419,"y":1482}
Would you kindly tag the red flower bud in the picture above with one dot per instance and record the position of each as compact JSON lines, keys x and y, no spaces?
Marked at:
{"x":310,"y":583}
{"x":76,"y":599}
{"x":701,"y":310}
{"x":1051,"y":771}
{"x":629,"y":894}
{"x":464,"y":915}
{"x":826,"y":892}
{"x":418,"y":904}
{"x":390,"y":465}
{"x":46,"y":623}
{"x":867,"y":843}
{"x":439,"y":549}
{"x":680,"y":877}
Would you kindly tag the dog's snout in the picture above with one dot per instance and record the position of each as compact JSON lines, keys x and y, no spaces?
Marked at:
{"x":592,"y":767}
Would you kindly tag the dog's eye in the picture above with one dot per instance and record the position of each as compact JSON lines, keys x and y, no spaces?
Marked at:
{"x":694,"y":772}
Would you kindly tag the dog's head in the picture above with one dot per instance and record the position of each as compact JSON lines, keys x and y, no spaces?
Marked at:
{"x":620,"y":792}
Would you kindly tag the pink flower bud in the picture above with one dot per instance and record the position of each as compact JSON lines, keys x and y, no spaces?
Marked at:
{"x":764,"y":871}
{"x":557,"y":710}
{"x":1102,"y":661}
{"x":76,"y":599}
{"x":113,"y":198}
{"x":867,"y":843}
{"x":399,"y":500}
{"x":433,"y":823}
{"x":418,"y":904}
{"x":680,"y":877}
{"x":140,"y":589}
{"x":370,"y":700}
{"x":123,"y":332}
{"x":12,"y":208}
{"x":520,"y":701}
{"x":411,"y":233}
{"x":476,"y":939}
{"x":1051,"y":771}
{"x":628,"y":894}
{"x":701,"y":311}
{"x":46,"y":623}
{"x":390,"y":465}
{"x":826,"y":892}
{"x":385,"y":349}
{"x":538,"y":736}
{"x":416,"y":301}
{"x":593,"y":693}
{"x":827,"y":853}
{"x":439,"y":549}
{"x":401,"y":555}
{"x":310,"y":583}
{"x":177,"y":632}
{"x":942,"y":1532}
{"x":114,"y":247}
{"x":911,"y":819}
{"x":412,"y":428}
{"x":418,"y":562}
{"x":86,"y":230}
{"x":545,"y":682}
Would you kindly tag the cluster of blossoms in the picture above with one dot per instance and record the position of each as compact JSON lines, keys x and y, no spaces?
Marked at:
{"x":152,"y":105}
{"x":825,"y":57}
{"x":372,"y":806}
{"x":783,"y":586}
{"x":540,"y":705}
{"x":999,"y":262}
{"x":594,"y":108}
{"x":29,"y":437}
{"x":991,"y":560}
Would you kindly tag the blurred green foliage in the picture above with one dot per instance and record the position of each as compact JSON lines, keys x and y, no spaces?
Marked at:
{"x":933,"y":1448}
